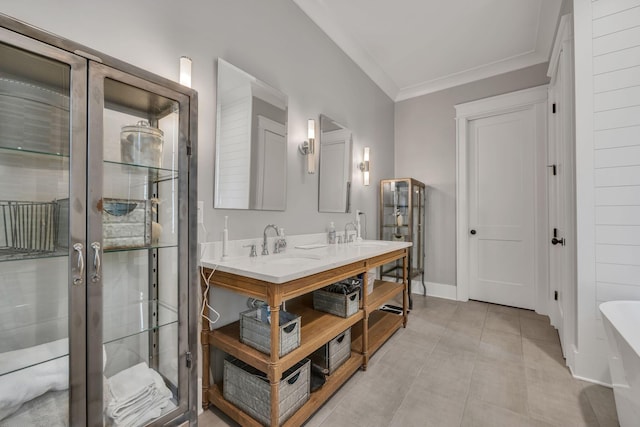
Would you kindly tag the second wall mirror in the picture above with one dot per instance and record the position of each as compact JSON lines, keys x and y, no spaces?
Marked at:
{"x":334,"y":191}
{"x":251,"y":142}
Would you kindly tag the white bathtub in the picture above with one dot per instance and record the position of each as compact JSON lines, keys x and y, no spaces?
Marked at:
{"x":622,"y":325}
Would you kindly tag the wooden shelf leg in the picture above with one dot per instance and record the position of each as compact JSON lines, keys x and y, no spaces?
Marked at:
{"x":274,"y":373}
{"x":405,"y":291}
{"x":204,"y":340}
{"x":365,"y":341}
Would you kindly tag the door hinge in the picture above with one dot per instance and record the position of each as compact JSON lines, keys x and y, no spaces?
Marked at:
{"x":555,"y":295}
{"x":188,"y":147}
{"x":553,"y":108}
{"x":188,"y":360}
{"x":554,"y":169}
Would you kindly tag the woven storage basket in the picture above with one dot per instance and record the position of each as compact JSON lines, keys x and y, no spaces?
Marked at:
{"x":339,"y":304}
{"x":334,"y":353}
{"x":249,"y":389}
{"x":256,"y":332}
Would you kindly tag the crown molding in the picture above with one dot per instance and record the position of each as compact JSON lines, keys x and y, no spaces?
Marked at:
{"x":472,"y":75}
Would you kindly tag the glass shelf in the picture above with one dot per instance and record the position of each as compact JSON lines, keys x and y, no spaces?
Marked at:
{"x":33,"y":159}
{"x":51,"y":354}
{"x":156,"y":174}
{"x":22,"y":364}
{"x":142,"y":248}
{"x":133,"y":319}
{"x":15,"y":255}
{"x":25,"y":151}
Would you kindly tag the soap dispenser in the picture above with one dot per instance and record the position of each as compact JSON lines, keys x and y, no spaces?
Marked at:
{"x":332,"y":233}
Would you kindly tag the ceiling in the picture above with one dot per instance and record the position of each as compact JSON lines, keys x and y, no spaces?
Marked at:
{"x":414,"y":47}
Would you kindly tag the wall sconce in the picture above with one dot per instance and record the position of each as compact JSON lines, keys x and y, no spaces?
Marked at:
{"x":308,"y":148}
{"x":364,"y":166}
{"x":185,"y":71}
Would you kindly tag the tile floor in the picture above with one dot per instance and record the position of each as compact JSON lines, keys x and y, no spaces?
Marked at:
{"x":464,"y":364}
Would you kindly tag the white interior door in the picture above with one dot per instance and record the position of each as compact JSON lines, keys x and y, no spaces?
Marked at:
{"x":556,"y":227}
{"x":271,"y":175}
{"x":561,"y":235}
{"x":335,"y":162}
{"x":501,"y":208}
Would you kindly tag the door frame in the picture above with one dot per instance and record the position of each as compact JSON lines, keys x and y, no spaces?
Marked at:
{"x":528,"y":99}
{"x":562,"y":130}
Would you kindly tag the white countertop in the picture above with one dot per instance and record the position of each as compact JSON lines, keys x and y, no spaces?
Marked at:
{"x":297,"y":262}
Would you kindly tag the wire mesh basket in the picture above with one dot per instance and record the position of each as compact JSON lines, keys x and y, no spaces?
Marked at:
{"x":28,"y":227}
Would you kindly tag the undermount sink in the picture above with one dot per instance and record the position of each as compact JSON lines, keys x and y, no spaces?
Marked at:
{"x":290,"y":259}
{"x":370,"y":244}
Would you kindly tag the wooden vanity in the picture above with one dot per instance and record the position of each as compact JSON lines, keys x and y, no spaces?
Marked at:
{"x":370,"y":327}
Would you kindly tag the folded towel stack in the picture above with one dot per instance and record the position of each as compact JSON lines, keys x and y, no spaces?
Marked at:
{"x":138,"y":395}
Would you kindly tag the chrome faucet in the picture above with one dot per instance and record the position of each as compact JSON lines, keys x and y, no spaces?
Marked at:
{"x":348,"y":238}
{"x":265,"y":250}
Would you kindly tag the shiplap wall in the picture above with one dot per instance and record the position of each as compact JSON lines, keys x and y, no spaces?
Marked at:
{"x":234,"y":146}
{"x":616,"y":125}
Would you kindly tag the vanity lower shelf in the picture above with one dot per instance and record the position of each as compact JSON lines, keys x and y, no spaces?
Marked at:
{"x":316,"y":400}
{"x":370,"y":329}
{"x":316,"y":329}
{"x":382,"y":326}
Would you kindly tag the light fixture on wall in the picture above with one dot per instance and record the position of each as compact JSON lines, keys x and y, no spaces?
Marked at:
{"x":308,"y":148}
{"x":364,"y":166}
{"x":185,"y":71}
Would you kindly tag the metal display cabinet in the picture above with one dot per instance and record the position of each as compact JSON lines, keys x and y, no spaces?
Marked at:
{"x":97,"y":243}
{"x":402,"y":218}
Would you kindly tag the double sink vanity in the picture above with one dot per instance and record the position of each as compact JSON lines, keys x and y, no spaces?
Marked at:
{"x":287,"y":279}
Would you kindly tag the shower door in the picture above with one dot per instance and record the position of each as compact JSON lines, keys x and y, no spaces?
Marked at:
{"x":42,"y":234}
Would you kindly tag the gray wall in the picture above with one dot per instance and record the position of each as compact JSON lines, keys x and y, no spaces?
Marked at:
{"x":272,"y":40}
{"x":425,"y":149}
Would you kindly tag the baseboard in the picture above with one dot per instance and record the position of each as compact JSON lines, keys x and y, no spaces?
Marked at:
{"x":590,"y":380}
{"x":437,"y":290}
{"x":200,"y":410}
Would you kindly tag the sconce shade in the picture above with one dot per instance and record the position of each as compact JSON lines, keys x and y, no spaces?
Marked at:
{"x":185,"y":71}
{"x":311,"y":129}
{"x":308,"y":148}
{"x":364,"y":166}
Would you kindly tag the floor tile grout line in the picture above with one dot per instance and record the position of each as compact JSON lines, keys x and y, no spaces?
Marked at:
{"x":440,"y":335}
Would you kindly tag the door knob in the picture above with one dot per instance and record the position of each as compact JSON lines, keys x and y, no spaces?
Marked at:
{"x":473,"y":232}
{"x":555,"y":241}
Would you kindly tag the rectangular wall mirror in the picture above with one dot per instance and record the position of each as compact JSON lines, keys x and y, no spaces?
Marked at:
{"x":335,"y":167}
{"x":251,"y":142}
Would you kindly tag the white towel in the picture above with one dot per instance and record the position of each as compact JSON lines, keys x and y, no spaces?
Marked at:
{"x":130,"y":383}
{"x":33,"y":371}
{"x":27,"y":378}
{"x":138,"y":395}
{"x":21,"y":386}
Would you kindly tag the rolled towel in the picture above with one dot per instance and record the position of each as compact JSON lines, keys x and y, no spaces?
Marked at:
{"x":26,"y":384}
{"x":31,"y":372}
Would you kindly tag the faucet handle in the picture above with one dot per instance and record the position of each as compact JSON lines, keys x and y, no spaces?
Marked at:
{"x":279,"y":245}
{"x":253,"y":252}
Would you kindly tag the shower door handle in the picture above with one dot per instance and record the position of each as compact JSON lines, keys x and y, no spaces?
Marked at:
{"x":97,"y":265}
{"x":79,"y":278}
